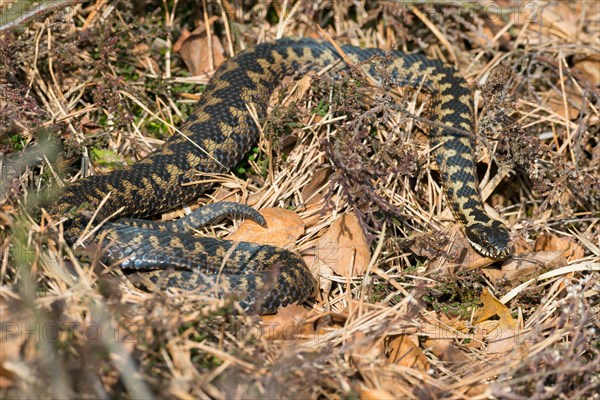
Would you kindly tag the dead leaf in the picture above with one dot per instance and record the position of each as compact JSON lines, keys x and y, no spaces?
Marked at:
{"x":315,"y":211}
{"x":316,"y":183}
{"x":518,"y":267}
{"x":142,"y":52}
{"x":405,"y":351}
{"x":512,"y":275}
{"x":479,"y":390}
{"x":445,"y":350}
{"x":556,"y":103}
{"x":492,"y":307}
{"x":560,"y":19}
{"x":571,"y":250}
{"x":499,"y":338}
{"x":289,"y":324}
{"x":590,"y":68}
{"x":459,"y":254}
{"x":89,"y":127}
{"x":376,"y":394}
{"x":344,"y":247}
{"x":304,"y":85}
{"x":500,"y":334}
{"x":284,"y":227}
{"x":520,"y":245}
{"x":367,"y":352}
{"x":16,"y":347}
{"x":194,"y":50}
{"x":321,"y":270}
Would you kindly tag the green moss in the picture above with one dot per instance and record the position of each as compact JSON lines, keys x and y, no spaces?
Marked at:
{"x":107,"y":158}
{"x":322,"y":108}
{"x":17,"y":142}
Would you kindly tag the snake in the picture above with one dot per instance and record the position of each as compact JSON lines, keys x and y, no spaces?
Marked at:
{"x":217,"y":134}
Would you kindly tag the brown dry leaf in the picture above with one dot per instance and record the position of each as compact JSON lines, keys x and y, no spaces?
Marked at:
{"x":490,"y":27}
{"x":405,"y":351}
{"x":289,"y":324}
{"x":520,"y":245}
{"x":9,"y":353}
{"x":193,"y":49}
{"x":590,"y":68}
{"x":376,"y":394}
{"x":363,"y":347}
{"x":494,"y":275}
{"x":304,"y":84}
{"x":500,"y":334}
{"x":512,"y":272}
{"x":321,"y":270}
{"x":344,"y":247}
{"x":315,"y":210}
{"x":556,"y":103}
{"x":479,"y":390}
{"x":499,"y":338}
{"x":284,"y":227}
{"x":89,"y":127}
{"x":316,"y":182}
{"x":530,"y":262}
{"x":524,"y":263}
{"x":366,"y":352}
{"x":547,"y":19}
{"x":442,"y":334}
{"x":492,"y":307}
{"x":15,"y":346}
{"x":460,"y":253}
{"x":142,"y":52}
{"x":560,"y":20}
{"x":445,"y":350}
{"x":571,"y":250}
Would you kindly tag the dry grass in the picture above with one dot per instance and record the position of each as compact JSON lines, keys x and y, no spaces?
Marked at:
{"x":102,"y":77}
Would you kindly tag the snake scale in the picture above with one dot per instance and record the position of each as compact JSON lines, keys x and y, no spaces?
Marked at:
{"x":215,"y":138}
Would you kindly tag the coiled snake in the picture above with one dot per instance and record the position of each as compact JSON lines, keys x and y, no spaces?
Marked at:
{"x":217,"y":135}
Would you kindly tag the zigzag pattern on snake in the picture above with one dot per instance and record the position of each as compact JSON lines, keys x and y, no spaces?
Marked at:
{"x":215,"y":138}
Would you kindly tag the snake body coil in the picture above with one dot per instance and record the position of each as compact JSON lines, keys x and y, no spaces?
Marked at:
{"x":217,"y":135}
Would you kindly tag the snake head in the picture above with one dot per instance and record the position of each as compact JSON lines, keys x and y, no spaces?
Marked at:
{"x":491,"y":241}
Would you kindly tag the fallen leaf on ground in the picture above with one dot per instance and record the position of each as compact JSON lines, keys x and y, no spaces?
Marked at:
{"x":316,"y":183}
{"x":315,"y":210}
{"x":344,"y":247}
{"x":442,"y":332}
{"x":303,"y":85}
{"x":376,"y":394}
{"x":500,"y":334}
{"x":365,"y":347}
{"x":405,"y":351}
{"x":520,"y":245}
{"x":193,"y":49}
{"x":321,"y":270}
{"x":556,"y":102}
{"x":459,"y":254}
{"x":493,"y":307}
{"x":445,"y":350}
{"x":590,"y":68}
{"x":525,"y":264}
{"x":368,"y":354}
{"x":571,"y":250}
{"x":142,"y":52}
{"x":560,"y":19}
{"x":514,"y":274}
{"x":289,"y":324}
{"x":284,"y":227}
{"x":17,"y":349}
